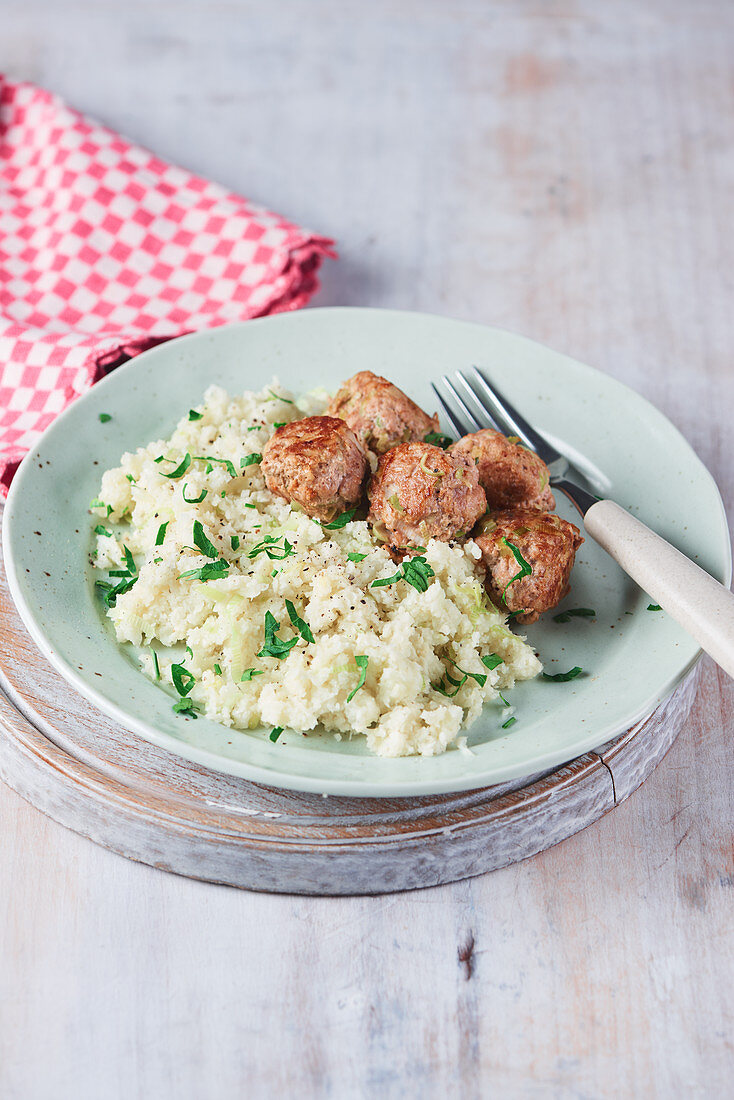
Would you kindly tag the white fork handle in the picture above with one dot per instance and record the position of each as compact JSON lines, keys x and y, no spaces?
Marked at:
{"x":700,"y":604}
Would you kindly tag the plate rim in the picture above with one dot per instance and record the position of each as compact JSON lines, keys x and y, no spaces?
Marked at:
{"x":293,"y":780}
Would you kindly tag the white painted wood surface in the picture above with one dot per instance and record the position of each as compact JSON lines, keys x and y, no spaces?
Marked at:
{"x":564,"y":171}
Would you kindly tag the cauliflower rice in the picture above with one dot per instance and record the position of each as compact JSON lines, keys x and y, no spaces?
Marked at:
{"x":418,"y":645}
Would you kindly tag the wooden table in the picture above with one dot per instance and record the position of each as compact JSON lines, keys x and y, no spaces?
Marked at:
{"x":564,"y":171}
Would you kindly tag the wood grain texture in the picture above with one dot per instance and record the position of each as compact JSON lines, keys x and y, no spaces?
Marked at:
{"x":87,"y":772}
{"x":564,"y":171}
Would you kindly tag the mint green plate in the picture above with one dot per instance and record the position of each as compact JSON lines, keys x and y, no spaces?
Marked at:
{"x":633,"y":657}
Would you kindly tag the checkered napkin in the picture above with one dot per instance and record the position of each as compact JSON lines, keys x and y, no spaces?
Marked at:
{"x":105,"y":250}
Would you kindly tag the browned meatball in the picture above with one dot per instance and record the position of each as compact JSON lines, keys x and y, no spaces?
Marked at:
{"x":547,"y":543}
{"x":316,"y":463}
{"x":380,"y":414}
{"x":420,"y":492}
{"x":510,"y":474}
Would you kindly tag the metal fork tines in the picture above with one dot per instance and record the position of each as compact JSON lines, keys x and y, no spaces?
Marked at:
{"x":481,"y":405}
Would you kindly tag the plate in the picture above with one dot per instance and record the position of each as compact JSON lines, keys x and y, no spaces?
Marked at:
{"x":633,"y":658}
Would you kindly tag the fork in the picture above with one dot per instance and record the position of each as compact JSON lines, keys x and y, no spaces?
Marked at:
{"x":691,"y":596}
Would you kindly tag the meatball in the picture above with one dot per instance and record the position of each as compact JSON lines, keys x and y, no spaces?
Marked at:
{"x":316,"y":463}
{"x":510,"y":474}
{"x":419,"y":492}
{"x":547,"y":543}
{"x":379,"y":414}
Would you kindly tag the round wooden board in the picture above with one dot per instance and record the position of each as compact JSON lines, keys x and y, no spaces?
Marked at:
{"x":93,"y":776}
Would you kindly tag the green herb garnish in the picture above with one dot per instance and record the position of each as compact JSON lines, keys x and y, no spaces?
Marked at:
{"x":101,"y":504}
{"x":280,"y":423}
{"x":222,"y":462}
{"x":573,"y":613}
{"x":653,"y":607}
{"x":193,"y":500}
{"x":234,"y":541}
{"x":525,"y":567}
{"x":186,"y":708}
{"x":183,"y":680}
{"x":100,"y":530}
{"x":181,"y":468}
{"x":129,"y":561}
{"x":300,"y":624}
{"x":361,"y":663}
{"x":278,"y":397}
{"x":212,"y":571}
{"x":480,"y":678}
{"x":417,"y":572}
{"x":248,"y":674}
{"x":491,"y":661}
{"x":269,"y":546}
{"x":563,"y":677}
{"x":156,"y":666}
{"x":202,"y":542}
{"x":437,"y":439}
{"x":161,"y":534}
{"x":275,"y":733}
{"x":250,"y":460}
{"x":508,"y":722}
{"x":275,"y":646}
{"x":130,"y":478}
{"x":340,"y":521}
{"x":194,"y":415}
{"x":356,"y":557}
{"x":110,"y":592}
{"x":104,"y":417}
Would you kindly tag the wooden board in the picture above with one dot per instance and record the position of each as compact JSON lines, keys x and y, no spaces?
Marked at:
{"x":92,"y":775}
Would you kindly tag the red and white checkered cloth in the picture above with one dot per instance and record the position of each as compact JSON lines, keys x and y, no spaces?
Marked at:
{"x":105,"y":250}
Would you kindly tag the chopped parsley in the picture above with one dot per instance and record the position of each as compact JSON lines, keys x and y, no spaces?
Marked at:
{"x":181,"y":468}
{"x":491,"y":661}
{"x":653,"y":607}
{"x":234,"y":541}
{"x":194,"y":415}
{"x":202,"y":542}
{"x":161,"y":534}
{"x":193,"y":500}
{"x":356,"y":557}
{"x":278,"y":397}
{"x":573,"y":613}
{"x":110,"y":592}
{"x":129,"y":561}
{"x":280,"y":423}
{"x":156,"y":666}
{"x":564,"y":677}
{"x":250,"y":460}
{"x":416,"y":572}
{"x":248,"y":674}
{"x":480,"y":678}
{"x":273,"y":645}
{"x":525,"y":567}
{"x":340,"y":521}
{"x":361,"y":662}
{"x":130,"y":478}
{"x":185,"y":707}
{"x":209,"y":459}
{"x":101,"y":530}
{"x":269,"y":546}
{"x":212,"y":571}
{"x":217,"y":670}
{"x":509,"y":722}
{"x":275,"y":733}
{"x":300,"y":624}
{"x":437,"y":439}
{"x":183,"y":680}
{"x":100,"y":504}
{"x":104,"y":417}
